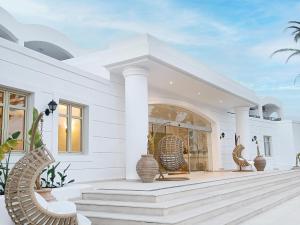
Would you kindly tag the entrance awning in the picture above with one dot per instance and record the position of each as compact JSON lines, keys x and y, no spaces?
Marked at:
{"x":171,"y":73}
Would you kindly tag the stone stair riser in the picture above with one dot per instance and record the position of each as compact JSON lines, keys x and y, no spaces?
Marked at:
{"x":192,"y":192}
{"x":179,"y":208}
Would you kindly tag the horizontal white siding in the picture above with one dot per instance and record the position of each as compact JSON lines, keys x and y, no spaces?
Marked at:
{"x":46,"y":79}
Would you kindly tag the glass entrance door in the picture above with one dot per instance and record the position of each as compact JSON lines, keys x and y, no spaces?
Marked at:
{"x":195,"y":144}
{"x":198,"y":150}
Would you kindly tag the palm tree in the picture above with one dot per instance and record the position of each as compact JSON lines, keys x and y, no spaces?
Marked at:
{"x":295,"y":26}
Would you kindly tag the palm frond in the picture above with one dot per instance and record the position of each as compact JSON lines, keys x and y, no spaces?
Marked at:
{"x":293,"y":27}
{"x":297,"y":36}
{"x":285,"y":50}
{"x":295,"y":80}
{"x":293,"y":21}
{"x":295,"y":32}
{"x":290,"y":56}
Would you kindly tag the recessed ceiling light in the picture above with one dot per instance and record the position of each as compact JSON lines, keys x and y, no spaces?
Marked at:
{"x":220,"y":101}
{"x":171,"y":82}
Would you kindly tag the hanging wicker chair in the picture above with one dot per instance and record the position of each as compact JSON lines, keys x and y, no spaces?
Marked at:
{"x":238,"y":158}
{"x":20,"y":199}
{"x":170,"y":154}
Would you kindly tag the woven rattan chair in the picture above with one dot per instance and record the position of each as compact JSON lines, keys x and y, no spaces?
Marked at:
{"x":170,"y":154}
{"x":238,"y":158}
{"x":20,"y":199}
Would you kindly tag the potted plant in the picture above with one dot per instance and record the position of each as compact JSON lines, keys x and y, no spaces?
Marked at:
{"x":48,"y":180}
{"x":259,"y":161}
{"x":147,"y":166}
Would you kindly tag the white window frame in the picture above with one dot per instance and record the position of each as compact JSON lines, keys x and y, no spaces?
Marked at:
{"x":269,"y":142}
{"x":5,"y":120}
{"x":69,"y":126}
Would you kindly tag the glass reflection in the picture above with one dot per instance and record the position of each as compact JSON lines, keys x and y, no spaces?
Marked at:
{"x":62,"y":134}
{"x":17,"y":123}
{"x":76,"y":111}
{"x":17,"y":100}
{"x":76,"y":135}
{"x":1,"y":97}
{"x":1,"y":119}
{"x":62,"y":109}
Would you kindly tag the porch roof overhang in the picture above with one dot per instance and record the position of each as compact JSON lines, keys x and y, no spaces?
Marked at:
{"x":190,"y":79}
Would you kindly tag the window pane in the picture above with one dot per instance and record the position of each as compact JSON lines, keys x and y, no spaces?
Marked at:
{"x":76,"y":135}
{"x":1,"y":96}
{"x":63,"y":109}
{"x":17,"y":100}
{"x":1,"y":121}
{"x":62,"y":134}
{"x":76,"y":111}
{"x":17,"y":123}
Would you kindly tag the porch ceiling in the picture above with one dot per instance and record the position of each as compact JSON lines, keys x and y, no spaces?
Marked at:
{"x":171,"y":83}
{"x":191,"y":80}
{"x":167,"y":81}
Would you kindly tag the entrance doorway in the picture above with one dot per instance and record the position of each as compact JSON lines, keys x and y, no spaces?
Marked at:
{"x":193,"y":129}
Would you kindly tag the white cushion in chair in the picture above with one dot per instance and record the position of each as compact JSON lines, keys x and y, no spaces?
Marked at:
{"x":62,"y":207}
{"x":42,"y":202}
{"x":82,"y":220}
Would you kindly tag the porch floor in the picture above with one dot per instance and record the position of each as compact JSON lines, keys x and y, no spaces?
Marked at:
{"x":195,"y":178}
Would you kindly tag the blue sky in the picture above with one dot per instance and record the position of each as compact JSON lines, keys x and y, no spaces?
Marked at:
{"x":233,"y":37}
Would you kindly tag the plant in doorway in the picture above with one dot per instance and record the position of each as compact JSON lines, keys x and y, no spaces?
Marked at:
{"x":259,"y":161}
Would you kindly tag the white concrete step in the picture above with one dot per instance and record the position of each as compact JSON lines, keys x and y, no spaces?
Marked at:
{"x":179,"y":204}
{"x":229,"y":209}
{"x":234,"y":216}
{"x":177,"y":189}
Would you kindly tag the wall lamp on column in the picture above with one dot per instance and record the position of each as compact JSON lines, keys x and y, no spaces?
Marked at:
{"x":222,"y":135}
{"x":51,"y":107}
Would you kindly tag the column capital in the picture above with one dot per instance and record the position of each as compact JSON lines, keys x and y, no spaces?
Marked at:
{"x":135,"y":71}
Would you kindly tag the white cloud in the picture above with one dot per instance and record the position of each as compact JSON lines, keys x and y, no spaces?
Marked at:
{"x":166,"y":21}
{"x":24,"y":7}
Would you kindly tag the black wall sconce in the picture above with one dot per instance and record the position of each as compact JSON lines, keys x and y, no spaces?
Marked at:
{"x":51,"y":107}
{"x":254,"y":138}
{"x":222,"y":135}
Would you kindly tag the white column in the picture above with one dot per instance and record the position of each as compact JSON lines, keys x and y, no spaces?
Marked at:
{"x":136,"y":101}
{"x":243,"y":128}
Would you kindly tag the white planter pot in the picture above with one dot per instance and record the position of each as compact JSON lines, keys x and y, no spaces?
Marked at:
{"x":5,"y":219}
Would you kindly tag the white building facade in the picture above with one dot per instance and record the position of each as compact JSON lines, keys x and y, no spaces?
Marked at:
{"x":109,"y":100}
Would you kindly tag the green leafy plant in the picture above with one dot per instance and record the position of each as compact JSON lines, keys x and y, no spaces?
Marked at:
{"x":63,"y":176}
{"x":5,"y":148}
{"x":38,"y":142}
{"x":49,"y":175}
